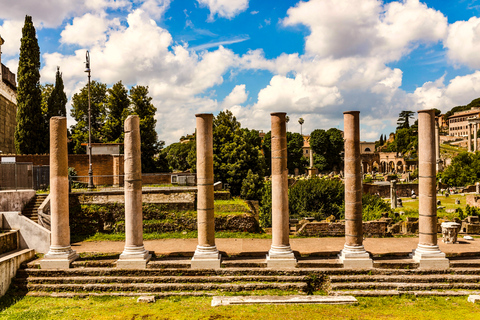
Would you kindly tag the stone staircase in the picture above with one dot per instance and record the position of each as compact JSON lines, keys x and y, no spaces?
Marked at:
{"x":172,"y":276}
{"x":31,"y":209}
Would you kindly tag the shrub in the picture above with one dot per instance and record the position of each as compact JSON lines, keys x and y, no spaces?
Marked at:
{"x":373,"y":206}
{"x":265,"y":210}
{"x":252,"y":186}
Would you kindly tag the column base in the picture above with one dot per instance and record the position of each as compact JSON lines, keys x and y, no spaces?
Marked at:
{"x":430,"y":257}
{"x":281,"y":257}
{"x":134,"y":257}
{"x":58,"y":258}
{"x":206,"y":257}
{"x":355,"y":257}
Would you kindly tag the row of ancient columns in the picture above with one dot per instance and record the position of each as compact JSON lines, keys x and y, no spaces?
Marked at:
{"x":280,"y":255}
{"x":469,"y":136}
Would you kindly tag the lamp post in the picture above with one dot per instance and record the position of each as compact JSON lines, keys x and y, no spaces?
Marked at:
{"x":90,"y":171}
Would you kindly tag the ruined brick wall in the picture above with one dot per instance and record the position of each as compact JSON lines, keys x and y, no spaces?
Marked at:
{"x":8,"y":111}
{"x":403,"y":189}
{"x":473,"y":200}
{"x":334,"y":229}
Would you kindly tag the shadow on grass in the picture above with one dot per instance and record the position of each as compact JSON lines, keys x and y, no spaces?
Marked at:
{"x":10,"y":298}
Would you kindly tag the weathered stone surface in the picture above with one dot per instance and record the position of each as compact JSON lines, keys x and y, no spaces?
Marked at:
{"x":146,"y":299}
{"x":235,"y":300}
{"x":475,"y":298}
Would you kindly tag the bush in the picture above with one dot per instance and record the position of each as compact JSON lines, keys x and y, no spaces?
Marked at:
{"x":316,"y":197}
{"x":252,"y":186}
{"x":373,"y":206}
{"x":265,"y":210}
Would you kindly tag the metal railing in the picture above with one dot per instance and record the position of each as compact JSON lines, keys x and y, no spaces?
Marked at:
{"x":16,"y":176}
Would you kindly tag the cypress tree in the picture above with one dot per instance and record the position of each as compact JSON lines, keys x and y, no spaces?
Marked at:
{"x":381,"y":140}
{"x":57,"y":100}
{"x":31,"y":130}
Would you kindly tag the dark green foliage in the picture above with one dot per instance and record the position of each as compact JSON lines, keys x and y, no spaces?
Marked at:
{"x":403,"y":119}
{"x":31,"y":128}
{"x":464,"y":170}
{"x":373,"y":206}
{"x":252,"y":186}
{"x":98,"y":98}
{"x":327,"y":146}
{"x":117,"y":110}
{"x":265,"y":214}
{"x":151,"y":146}
{"x":57,"y":100}
{"x":295,"y":158}
{"x":316,"y":197}
{"x":471,"y":211}
{"x":177,"y":155}
{"x":235,"y":151}
{"x":473,"y":104}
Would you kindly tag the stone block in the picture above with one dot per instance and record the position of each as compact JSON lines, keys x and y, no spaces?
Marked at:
{"x":205,"y":263}
{"x":276,"y":263}
{"x":474,"y":298}
{"x":58,"y":263}
{"x":133,"y":263}
{"x":146,"y":299}
{"x":242,"y":300}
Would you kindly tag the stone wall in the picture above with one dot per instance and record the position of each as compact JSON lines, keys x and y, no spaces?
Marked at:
{"x":8,"y":241}
{"x":8,"y":111}
{"x":15,"y":200}
{"x":473,"y":200}
{"x":336,"y":229}
{"x":403,"y":189}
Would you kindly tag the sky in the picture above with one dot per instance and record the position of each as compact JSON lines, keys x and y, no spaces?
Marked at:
{"x":312,"y":59}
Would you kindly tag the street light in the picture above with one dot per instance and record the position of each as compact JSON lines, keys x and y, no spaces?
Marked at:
{"x":90,"y":171}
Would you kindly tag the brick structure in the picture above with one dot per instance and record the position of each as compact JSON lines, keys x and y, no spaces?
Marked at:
{"x":8,"y":107}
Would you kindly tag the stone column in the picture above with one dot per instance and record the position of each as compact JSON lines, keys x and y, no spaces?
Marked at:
{"x":393,"y":194}
{"x":427,"y":254}
{"x":60,"y":254}
{"x":134,"y":255}
{"x":475,"y":144}
{"x":353,"y":254}
{"x":469,"y":137}
{"x":206,"y":255}
{"x":116,"y":170}
{"x":280,"y":254}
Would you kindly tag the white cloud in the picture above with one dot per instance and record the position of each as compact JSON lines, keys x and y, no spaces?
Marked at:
{"x":11,"y":32}
{"x":236,"y":97}
{"x":155,"y":8}
{"x":463,"y":42}
{"x":224,"y":8}
{"x":88,"y":30}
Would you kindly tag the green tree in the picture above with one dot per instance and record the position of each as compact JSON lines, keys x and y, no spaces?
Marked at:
{"x":57,"y":100}
{"x":295,"y":158}
{"x":235,"y":151}
{"x":177,"y":155}
{"x":46,"y":92}
{"x":301,"y":121}
{"x":117,"y":110}
{"x":31,"y":130}
{"x":79,"y":112}
{"x":403,"y":119}
{"x":328,"y":146}
{"x":464,"y":170}
{"x":151,"y":146}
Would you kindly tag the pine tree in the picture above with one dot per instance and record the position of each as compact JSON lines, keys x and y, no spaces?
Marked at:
{"x":150,"y":146}
{"x":57,"y":100}
{"x":31,"y":131}
{"x":117,"y":110}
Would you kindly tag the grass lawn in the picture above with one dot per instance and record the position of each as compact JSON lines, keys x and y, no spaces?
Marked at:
{"x":407,"y":307}
{"x":410,"y":206}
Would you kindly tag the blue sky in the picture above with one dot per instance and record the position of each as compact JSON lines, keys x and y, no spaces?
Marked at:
{"x":312,"y":59}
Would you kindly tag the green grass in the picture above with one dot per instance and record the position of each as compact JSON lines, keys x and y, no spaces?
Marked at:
{"x":172,"y":235}
{"x":410,"y":206}
{"x":406,"y":307}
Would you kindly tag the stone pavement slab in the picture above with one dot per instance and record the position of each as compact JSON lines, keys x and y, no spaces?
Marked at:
{"x":231,"y":300}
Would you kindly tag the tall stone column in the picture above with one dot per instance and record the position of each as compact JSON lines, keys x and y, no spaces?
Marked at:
{"x":60,"y":254}
{"x":475,"y":143}
{"x":280,"y":254}
{"x":393,"y":194}
{"x":134,"y":255}
{"x":427,"y":254}
{"x":353,"y":254}
{"x":469,"y":137}
{"x":206,"y":255}
{"x":438,"y":160}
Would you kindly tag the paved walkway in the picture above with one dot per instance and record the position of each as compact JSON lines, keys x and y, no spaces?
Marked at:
{"x":304,"y":246}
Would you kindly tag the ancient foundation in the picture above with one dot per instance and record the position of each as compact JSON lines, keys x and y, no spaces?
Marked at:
{"x":206,"y":255}
{"x":60,"y":254}
{"x":353,"y":254}
{"x":427,"y":254}
{"x":134,"y":255}
{"x":280,"y":254}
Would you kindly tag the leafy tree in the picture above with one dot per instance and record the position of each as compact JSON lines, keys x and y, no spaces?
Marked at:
{"x":403,"y":119}
{"x":46,"y":92}
{"x":79,"y":112}
{"x":151,"y":147}
{"x":31,"y":130}
{"x":57,"y":100}
{"x":463,"y":170}
{"x":177,"y":155}
{"x":235,"y":151}
{"x":295,"y":158}
{"x":117,"y":110}
{"x":252,"y":186}
{"x":327,"y":146}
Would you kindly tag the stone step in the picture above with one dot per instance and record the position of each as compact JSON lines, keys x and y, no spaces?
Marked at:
{"x":379,"y":293}
{"x":159,"y":279}
{"x":402,"y":286}
{"x":405,"y":278}
{"x":79,"y":294}
{"x":164,"y":287}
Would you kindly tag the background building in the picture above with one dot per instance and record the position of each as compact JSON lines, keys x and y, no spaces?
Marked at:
{"x":458,"y":122}
{"x":8,"y":107}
